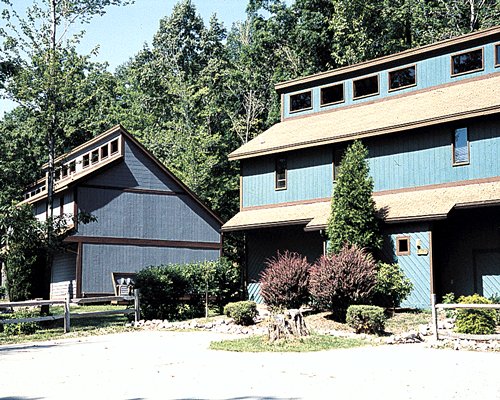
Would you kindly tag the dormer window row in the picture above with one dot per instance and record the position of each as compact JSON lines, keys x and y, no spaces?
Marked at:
{"x":91,"y":158}
{"x":462,"y":63}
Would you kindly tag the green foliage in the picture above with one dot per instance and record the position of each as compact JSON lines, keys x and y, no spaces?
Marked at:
{"x":366,"y":319}
{"x":449,"y":298}
{"x":178,"y":291}
{"x":22,"y":236}
{"x":3,"y":292}
{"x":284,"y":283}
{"x":340,"y":280}
{"x":243,"y":312}
{"x":353,"y":220}
{"x":22,"y":328}
{"x":479,"y":322}
{"x":392,"y":287}
{"x":495,"y":299}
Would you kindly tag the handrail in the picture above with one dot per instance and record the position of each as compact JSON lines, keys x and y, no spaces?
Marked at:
{"x":67,"y":315}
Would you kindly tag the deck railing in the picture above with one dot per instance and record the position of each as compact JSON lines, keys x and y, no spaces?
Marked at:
{"x":67,"y":316}
{"x":436,"y":307}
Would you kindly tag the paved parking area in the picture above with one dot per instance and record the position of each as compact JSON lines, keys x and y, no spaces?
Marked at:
{"x":178,"y":365}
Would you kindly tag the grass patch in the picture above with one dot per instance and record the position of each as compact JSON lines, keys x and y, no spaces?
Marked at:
{"x":90,"y":326}
{"x":407,"y":321}
{"x":259,"y":344}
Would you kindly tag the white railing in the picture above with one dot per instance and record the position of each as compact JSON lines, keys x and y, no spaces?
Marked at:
{"x":68,"y":316}
{"x":436,"y":307}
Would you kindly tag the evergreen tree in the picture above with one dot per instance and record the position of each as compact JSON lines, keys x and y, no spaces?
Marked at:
{"x":353,"y":219}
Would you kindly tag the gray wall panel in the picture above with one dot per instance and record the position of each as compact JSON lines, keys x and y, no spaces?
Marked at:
{"x":99,"y":261}
{"x":63,"y":275}
{"x":147,"y":216}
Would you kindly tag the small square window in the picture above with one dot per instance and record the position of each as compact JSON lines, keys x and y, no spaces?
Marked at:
{"x":72,"y":167}
{"x":365,"y":87}
{"x":86,"y":160}
{"x":461,"y":147}
{"x":470,"y":61}
{"x":332,"y":95}
{"x":403,"y":246}
{"x":280,"y":174}
{"x":301,"y":101}
{"x":114,"y":146}
{"x":402,"y":78}
{"x":64,"y":171}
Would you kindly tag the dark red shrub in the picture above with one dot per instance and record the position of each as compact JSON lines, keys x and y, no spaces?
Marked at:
{"x":339,"y":280}
{"x":284,"y":283}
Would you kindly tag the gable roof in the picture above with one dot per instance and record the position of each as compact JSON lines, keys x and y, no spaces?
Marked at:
{"x":424,"y":203}
{"x":451,"y":102}
{"x":117,"y":130}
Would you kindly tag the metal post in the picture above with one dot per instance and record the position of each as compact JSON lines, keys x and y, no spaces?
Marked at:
{"x":67,"y":323}
{"x":137,"y":307}
{"x":434,"y":316}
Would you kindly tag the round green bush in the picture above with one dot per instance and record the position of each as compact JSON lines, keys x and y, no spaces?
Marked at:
{"x":478,"y":322}
{"x":393,"y":287}
{"x":243,"y":312}
{"x":366,"y":319}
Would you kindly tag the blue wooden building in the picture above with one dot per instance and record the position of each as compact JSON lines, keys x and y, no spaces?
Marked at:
{"x":430,"y":118}
{"x":145,"y":215}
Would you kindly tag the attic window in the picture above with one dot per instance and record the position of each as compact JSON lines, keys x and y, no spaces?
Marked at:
{"x":403,"y":246}
{"x":402,"y":78}
{"x":280,"y":174}
{"x":467,"y":62}
{"x":64,"y":171}
{"x":94,"y":156}
{"x":72,"y":167}
{"x":365,"y":87}
{"x":104,"y":151}
{"x":114,"y":146}
{"x":497,"y":55}
{"x":332,"y":95}
{"x":86,"y":160}
{"x":301,"y":101}
{"x":461,"y":154}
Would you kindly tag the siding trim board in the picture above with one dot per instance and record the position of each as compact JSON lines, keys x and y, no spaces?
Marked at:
{"x":142,"y":242}
{"x":79,"y":265}
{"x":135,"y":190}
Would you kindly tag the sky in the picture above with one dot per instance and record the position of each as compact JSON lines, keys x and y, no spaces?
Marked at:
{"x":122,"y":31}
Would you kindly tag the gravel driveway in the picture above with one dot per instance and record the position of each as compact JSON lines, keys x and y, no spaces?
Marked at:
{"x":178,"y":365}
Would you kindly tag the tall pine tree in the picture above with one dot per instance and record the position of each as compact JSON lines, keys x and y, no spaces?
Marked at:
{"x":353,"y":219}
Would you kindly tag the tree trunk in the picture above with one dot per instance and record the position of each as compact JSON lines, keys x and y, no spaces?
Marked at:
{"x":287,"y":326}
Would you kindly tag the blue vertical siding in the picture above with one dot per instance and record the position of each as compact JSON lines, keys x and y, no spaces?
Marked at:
{"x":310,"y":175}
{"x":416,"y":267}
{"x":431,"y":72}
{"x":99,"y":261}
{"x":414,"y":158}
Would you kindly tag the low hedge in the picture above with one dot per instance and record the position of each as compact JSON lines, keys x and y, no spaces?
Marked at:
{"x":474,"y":321}
{"x":23,"y":328}
{"x":177,"y":291}
{"x":243,"y":312}
{"x":366,"y":319}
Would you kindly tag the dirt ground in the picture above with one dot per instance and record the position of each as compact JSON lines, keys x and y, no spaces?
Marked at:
{"x":178,"y":365}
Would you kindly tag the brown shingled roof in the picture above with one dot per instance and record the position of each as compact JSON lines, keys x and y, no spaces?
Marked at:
{"x":463,"y":99}
{"x":412,"y":205}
